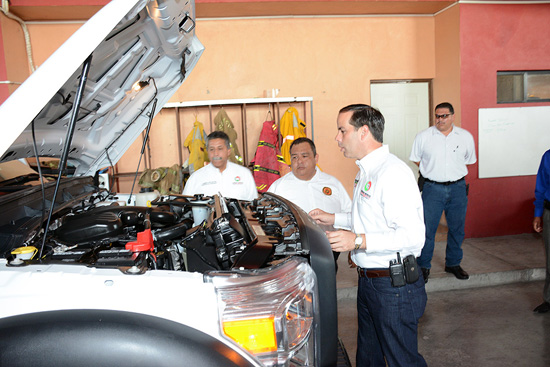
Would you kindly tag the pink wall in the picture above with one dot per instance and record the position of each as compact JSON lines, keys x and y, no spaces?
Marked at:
{"x":495,"y":38}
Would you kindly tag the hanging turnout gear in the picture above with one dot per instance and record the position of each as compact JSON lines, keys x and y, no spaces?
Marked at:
{"x":196,"y":143}
{"x":223,"y":123}
{"x":292,"y":128}
{"x":266,"y":160}
{"x":166,"y":180}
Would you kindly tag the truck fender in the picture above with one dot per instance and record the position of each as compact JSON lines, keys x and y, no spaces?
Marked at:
{"x":109,"y":338}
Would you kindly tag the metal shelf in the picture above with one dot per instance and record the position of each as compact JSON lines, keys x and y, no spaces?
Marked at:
{"x":242,"y":101}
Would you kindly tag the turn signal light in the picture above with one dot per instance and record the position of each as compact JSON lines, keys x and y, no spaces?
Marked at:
{"x":255,"y":335}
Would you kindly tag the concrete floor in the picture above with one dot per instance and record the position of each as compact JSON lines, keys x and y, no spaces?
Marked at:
{"x":487,"y":320}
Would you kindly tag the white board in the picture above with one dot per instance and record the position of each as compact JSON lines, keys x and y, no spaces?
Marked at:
{"x":512,"y":140}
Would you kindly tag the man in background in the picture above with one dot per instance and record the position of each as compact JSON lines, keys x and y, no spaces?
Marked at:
{"x":308,"y":187}
{"x":541,"y":222}
{"x":442,"y":152}
{"x":221,"y":176}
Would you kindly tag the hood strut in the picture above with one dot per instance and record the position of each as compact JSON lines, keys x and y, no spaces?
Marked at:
{"x":144,"y":144}
{"x":68,"y":141}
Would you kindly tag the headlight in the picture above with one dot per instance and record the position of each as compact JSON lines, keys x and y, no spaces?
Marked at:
{"x":270,"y":312}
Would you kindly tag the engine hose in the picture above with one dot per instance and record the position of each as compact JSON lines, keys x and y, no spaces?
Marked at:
{"x":175,"y":231}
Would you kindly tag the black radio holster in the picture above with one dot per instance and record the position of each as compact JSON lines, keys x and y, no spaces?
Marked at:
{"x":406,"y":272}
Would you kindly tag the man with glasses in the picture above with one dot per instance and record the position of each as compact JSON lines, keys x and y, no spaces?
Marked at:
{"x":442,"y":152}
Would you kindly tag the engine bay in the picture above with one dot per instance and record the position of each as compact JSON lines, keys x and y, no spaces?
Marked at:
{"x":175,"y":233}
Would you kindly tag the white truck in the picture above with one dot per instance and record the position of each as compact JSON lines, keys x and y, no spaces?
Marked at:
{"x":87,"y":281}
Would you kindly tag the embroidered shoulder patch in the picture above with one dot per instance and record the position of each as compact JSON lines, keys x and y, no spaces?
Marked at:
{"x":327,"y":191}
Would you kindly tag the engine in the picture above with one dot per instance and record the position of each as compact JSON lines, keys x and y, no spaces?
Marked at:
{"x":175,"y":233}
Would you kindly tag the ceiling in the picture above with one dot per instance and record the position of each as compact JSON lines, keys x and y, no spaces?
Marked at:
{"x":60,"y":10}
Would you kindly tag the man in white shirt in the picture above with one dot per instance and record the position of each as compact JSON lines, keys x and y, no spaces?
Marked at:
{"x":308,"y":187}
{"x":386,"y":218}
{"x":442,"y":153}
{"x":221,"y":176}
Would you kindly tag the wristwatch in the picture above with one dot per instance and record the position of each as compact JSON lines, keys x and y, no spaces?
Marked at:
{"x":358,"y":241}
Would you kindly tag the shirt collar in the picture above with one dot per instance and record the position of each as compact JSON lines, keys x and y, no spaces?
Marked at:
{"x":217,"y":169}
{"x":315,"y":176}
{"x":373,"y":157}
{"x":436,"y":132}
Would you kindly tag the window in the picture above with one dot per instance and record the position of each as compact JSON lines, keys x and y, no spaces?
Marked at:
{"x":523,"y":86}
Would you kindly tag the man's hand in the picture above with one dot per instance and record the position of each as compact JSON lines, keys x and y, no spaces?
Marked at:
{"x":537,"y":224}
{"x":322,"y":217}
{"x":341,"y":240}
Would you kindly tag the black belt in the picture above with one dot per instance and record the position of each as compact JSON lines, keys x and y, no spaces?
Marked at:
{"x":546,"y":204}
{"x":372,"y":273}
{"x":444,"y":183}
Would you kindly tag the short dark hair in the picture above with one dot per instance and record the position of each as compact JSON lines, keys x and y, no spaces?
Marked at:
{"x":304,"y":140}
{"x":218,"y":134}
{"x":366,"y":115}
{"x":446,"y":105}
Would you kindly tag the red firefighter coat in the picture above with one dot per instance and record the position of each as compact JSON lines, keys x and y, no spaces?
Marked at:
{"x":267,"y":158}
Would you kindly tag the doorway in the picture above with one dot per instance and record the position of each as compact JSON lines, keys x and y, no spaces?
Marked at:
{"x":406,"y":109}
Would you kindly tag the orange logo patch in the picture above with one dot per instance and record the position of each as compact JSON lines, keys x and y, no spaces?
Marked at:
{"x":327,"y":191}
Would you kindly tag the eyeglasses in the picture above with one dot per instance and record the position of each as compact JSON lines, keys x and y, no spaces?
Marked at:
{"x":444,"y":116}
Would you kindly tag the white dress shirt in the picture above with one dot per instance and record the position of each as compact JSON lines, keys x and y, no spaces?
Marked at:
{"x":443,"y":158}
{"x":323,"y":191}
{"x":234,"y":182}
{"x":387,"y":208}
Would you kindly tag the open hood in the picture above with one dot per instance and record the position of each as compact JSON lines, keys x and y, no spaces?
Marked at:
{"x":128,"y":42}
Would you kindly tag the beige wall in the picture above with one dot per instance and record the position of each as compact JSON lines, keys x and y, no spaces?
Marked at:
{"x":17,"y":67}
{"x":331,"y":59}
{"x":45,"y":39}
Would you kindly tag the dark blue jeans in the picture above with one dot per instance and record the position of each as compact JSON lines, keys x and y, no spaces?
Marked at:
{"x":453,"y":200}
{"x":546,"y":238}
{"x":388,"y":323}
